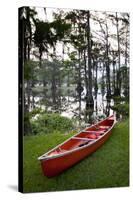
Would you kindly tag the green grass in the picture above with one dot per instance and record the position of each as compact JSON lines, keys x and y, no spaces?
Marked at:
{"x":107,"y":167}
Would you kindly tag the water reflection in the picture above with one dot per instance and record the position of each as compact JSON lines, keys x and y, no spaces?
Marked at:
{"x":83,"y":115}
{"x":101,"y":109}
{"x":87,"y":115}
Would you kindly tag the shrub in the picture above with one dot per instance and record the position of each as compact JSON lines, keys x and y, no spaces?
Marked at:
{"x":121,"y":109}
{"x":50,"y":122}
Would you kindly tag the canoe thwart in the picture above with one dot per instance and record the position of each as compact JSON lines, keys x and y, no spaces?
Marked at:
{"x":80,"y":138}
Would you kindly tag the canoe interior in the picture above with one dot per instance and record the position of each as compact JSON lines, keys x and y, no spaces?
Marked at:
{"x":85,"y":137}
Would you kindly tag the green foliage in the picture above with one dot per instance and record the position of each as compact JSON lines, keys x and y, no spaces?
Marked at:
{"x":30,"y":70}
{"x":36,"y":111}
{"x":121,"y":108}
{"x":47,"y":33}
{"x":119,"y":99}
{"x":27,"y":124}
{"x":121,"y":105}
{"x":50,"y":122}
{"x":61,"y":28}
{"x":43,"y":36}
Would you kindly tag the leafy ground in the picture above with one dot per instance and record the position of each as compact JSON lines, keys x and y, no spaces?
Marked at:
{"x":107,"y":167}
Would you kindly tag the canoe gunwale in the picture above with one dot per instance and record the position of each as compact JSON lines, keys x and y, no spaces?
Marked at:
{"x":46,"y":157}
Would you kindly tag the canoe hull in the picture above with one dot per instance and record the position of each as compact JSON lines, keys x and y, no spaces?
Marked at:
{"x":55,"y":166}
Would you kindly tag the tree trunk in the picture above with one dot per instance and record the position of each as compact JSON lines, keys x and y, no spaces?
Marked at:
{"x":118,"y":85}
{"x":103,"y":83}
{"x":26,"y":53}
{"x":53,"y":89}
{"x":68,"y":85}
{"x":85,"y":69}
{"x":59,"y":91}
{"x":96,"y":85}
{"x":126,"y":43}
{"x":107,"y":64}
{"x":79,"y":89}
{"x":89,"y":97}
{"x":126,"y":63}
{"x":114,"y":63}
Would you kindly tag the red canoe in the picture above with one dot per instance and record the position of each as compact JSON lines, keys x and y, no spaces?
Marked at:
{"x":76,"y":148}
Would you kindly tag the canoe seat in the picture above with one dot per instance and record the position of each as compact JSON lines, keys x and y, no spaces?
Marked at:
{"x":97,"y":133}
{"x":104,"y":127}
{"x":80,"y":138}
{"x":91,"y":135}
{"x":100,"y":131}
{"x":111,"y":118}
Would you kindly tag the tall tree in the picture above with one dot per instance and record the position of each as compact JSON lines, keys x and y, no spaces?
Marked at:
{"x":89,"y":97}
{"x":26,"y":19}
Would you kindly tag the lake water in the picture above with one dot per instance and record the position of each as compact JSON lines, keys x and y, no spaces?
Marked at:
{"x":71,"y":109}
{"x":100,"y":107}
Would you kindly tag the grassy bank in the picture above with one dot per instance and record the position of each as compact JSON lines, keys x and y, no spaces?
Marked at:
{"x":107,"y":167}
